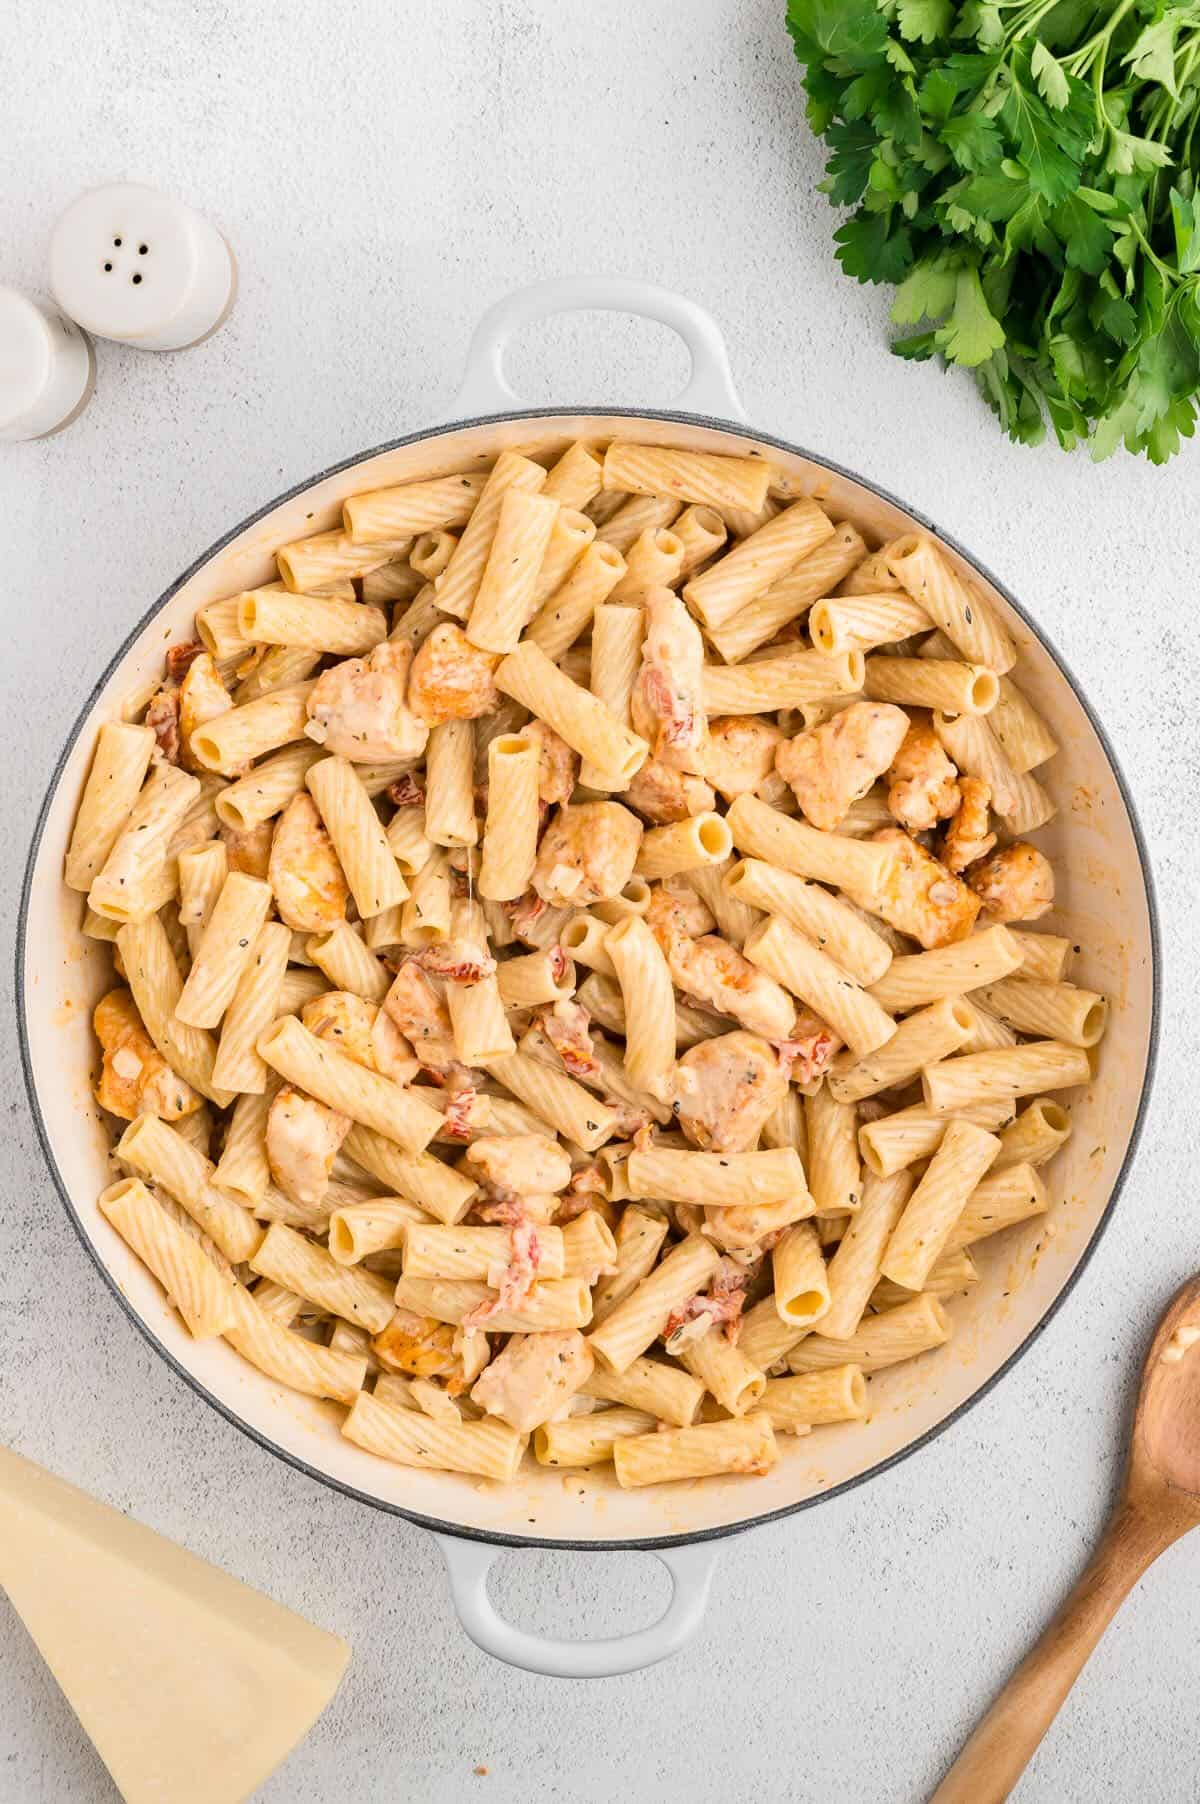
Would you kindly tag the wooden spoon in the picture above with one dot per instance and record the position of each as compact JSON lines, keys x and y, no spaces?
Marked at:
{"x":1160,"y":1500}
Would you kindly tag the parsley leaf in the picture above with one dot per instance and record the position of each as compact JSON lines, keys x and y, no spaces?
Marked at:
{"x":871,"y":251}
{"x":972,"y":333}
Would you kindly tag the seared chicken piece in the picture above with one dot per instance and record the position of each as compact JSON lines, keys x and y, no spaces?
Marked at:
{"x":135,"y":1079}
{"x":1015,"y":884}
{"x":417,"y":1345}
{"x":677,"y":911}
{"x":364,"y":1031}
{"x":806,"y":1052}
{"x":922,"y":786}
{"x":202,"y":696}
{"x":758,"y":1225}
{"x":566,"y":1025}
{"x":558,"y":765}
{"x":664,"y":794}
{"x":920,"y":896}
{"x":833,"y":765}
{"x":717,"y":975}
{"x":162,"y":717}
{"x":534,"y":1378}
{"x":456,"y":961}
{"x":249,"y":848}
{"x":740,"y":754}
{"x":451,"y":679}
{"x":357,"y":709}
{"x":967,"y":837}
{"x":719,"y":1306}
{"x":421,"y":1016}
{"x":723,"y":1090}
{"x":518,"y":1164}
{"x":667,"y":704}
{"x":304,"y":872}
{"x":303,"y":1138}
{"x":586,"y":854}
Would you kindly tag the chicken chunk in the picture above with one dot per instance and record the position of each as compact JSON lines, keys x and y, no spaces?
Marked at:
{"x":967,"y":838}
{"x":421,"y":1015}
{"x":664,"y":794}
{"x":417,"y":1345}
{"x":586,"y":854}
{"x":744,"y":1225}
{"x":364,"y":1031}
{"x":518,"y":1164}
{"x":162,"y":717}
{"x":135,"y":1079}
{"x":558,"y":765}
{"x":922,"y":786}
{"x":303,"y":1138}
{"x":723,"y":1090}
{"x":451,"y":679}
{"x":457,"y":960}
{"x":808,"y":1049}
{"x":677,"y":911}
{"x":566,"y":1026}
{"x":833,"y":765}
{"x":717,"y":975}
{"x":310,"y":887}
{"x":667,"y":704}
{"x":202,"y":696}
{"x":719,"y":1306}
{"x":740,"y":754}
{"x":1015,"y":884}
{"x":920,"y":896}
{"x":534,"y":1378}
{"x":358,"y":709}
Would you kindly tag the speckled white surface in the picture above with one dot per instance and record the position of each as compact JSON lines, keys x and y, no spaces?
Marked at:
{"x":383,"y":172}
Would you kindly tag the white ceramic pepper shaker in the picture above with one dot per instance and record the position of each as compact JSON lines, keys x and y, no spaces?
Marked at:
{"x":46,"y":367}
{"x":131,"y":263}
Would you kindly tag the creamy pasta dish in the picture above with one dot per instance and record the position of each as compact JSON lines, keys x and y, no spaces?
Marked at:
{"x":573,"y":993}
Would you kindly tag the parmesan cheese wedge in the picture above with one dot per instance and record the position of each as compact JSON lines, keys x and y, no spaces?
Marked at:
{"x":192,"y":1686}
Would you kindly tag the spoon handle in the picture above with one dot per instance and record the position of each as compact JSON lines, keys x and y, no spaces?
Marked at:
{"x":1009,"y":1735}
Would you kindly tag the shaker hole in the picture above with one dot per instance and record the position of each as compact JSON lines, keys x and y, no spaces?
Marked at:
{"x":142,"y":249}
{"x":108,"y":268}
{"x":135,"y":280}
{"x":117,"y":242}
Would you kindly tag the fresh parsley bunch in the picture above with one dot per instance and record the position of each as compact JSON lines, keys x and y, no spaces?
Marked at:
{"x":1025,"y":171}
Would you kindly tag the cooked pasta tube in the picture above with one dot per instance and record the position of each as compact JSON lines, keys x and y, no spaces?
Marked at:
{"x":765,"y":1338}
{"x":778,"y":948}
{"x":638,"y":1242}
{"x":953,"y":970}
{"x":742,"y":1445}
{"x":683,"y":846}
{"x":862,"y":622}
{"x":243,"y":1168}
{"x":568,"y":612}
{"x":479,"y":1022}
{"x":1017,"y":1071}
{"x":153,"y":977}
{"x":631,"y":517}
{"x":488,"y":1448}
{"x":235,"y":738}
{"x":290,"y":1359}
{"x":280,"y":668}
{"x":760,"y":831}
{"x":641,"y":970}
{"x":434,"y":1251}
{"x":226,"y":950}
{"x":325,"y":1072}
{"x":412,"y":507}
{"x":1026,"y":739}
{"x":617,"y":634}
{"x":506,"y":596}
{"x":254,"y":1006}
{"x":425,"y":916}
{"x":663,"y":1391}
{"x":802,"y":1294}
{"x":358,"y":1296}
{"x":425,"y":1180}
{"x":951,"y":1275}
{"x":348,"y":964}
{"x":920,"y":1039}
{"x":450,"y":785}
{"x":159,"y":1154}
{"x":828,"y":922}
{"x":556,"y":1098}
{"x":812,"y":1399}
{"x":324,"y":558}
{"x":654,"y":560}
{"x":358,"y":838}
{"x":267,"y":789}
{"x":510,"y":832}
{"x":570,"y":535}
{"x":556,"y":1303}
{"x":202,"y":873}
{"x":585,"y":723}
{"x":932,"y":683}
{"x":311,"y":622}
{"x":119,"y":764}
{"x":408,"y":841}
{"x":923,"y":1230}
{"x":789,"y":597}
{"x":198,"y":1289}
{"x":127,"y":886}
{"x":834,"y":1176}
{"x":882,"y":1340}
{"x":419,"y":617}
{"x":431,"y":553}
{"x":584,"y":1441}
{"x":853,"y":1270}
{"x":1003,"y":1199}
{"x":374,"y":1226}
{"x":756,"y":562}
{"x":913,"y":1134}
{"x":217,"y":626}
{"x":458,"y":585}
{"x":1054,"y":1011}
{"x":785,"y":1125}
{"x":625,"y":1334}
{"x":717,"y":1180}
{"x":966,"y":617}
{"x":1035,"y":1135}
{"x":987,"y":1030}
{"x":702,"y":532}
{"x":535,"y":979}
{"x":724,"y":1371}
{"x":786,"y":681}
{"x":589,"y":1250}
{"x":576,"y":478}
{"x":699,"y":476}
{"x":1044,"y":955}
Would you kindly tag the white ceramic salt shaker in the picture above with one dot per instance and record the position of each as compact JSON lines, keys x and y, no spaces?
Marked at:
{"x":46,"y":367}
{"x":134,"y":264}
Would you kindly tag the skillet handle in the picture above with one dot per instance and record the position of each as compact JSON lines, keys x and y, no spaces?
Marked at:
{"x":469,"y":1563}
{"x":709,"y":389}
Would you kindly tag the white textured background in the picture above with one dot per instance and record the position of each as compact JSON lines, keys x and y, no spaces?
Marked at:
{"x":384,"y":170}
